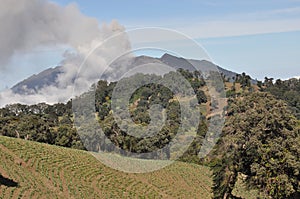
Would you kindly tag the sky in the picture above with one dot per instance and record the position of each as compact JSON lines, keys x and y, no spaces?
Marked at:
{"x":259,"y":37}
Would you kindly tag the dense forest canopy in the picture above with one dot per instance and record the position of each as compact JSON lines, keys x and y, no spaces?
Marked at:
{"x":287,"y":90}
{"x":261,"y":142}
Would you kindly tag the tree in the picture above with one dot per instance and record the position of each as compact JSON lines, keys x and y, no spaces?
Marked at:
{"x":260,"y":140}
{"x":287,"y":90}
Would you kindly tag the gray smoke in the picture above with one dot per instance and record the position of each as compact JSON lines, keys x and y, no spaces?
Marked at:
{"x":29,"y":24}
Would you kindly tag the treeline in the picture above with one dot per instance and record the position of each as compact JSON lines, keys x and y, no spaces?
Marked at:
{"x":51,"y":124}
{"x":54,"y":124}
{"x":287,"y":90}
{"x":259,"y":144}
{"x":115,"y":138}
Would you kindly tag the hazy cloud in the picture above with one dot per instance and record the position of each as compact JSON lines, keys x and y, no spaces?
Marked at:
{"x":29,"y":24}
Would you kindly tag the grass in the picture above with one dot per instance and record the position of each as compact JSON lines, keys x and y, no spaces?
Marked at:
{"x":36,"y":170}
{"x":45,"y":171}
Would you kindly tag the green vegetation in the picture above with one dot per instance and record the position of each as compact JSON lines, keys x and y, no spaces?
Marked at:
{"x":51,"y":124}
{"x":261,"y":142}
{"x":45,"y":171}
{"x":140,"y":102}
{"x":258,"y":149}
{"x":287,"y":90}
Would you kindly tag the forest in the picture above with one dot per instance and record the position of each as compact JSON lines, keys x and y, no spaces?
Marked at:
{"x":260,"y":141}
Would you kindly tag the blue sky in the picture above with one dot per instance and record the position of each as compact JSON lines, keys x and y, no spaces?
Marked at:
{"x":259,"y":37}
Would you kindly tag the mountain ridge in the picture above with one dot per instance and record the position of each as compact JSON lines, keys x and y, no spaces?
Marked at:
{"x":37,"y":81}
{"x":49,"y":76}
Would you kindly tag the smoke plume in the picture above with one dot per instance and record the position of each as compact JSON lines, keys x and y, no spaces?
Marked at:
{"x":29,"y":24}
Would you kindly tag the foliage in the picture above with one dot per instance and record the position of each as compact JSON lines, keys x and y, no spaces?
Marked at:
{"x":141,"y":100}
{"x":53,"y":124}
{"x":260,"y":140}
{"x":287,"y":90}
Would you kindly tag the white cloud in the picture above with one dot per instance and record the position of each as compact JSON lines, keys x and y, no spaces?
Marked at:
{"x":236,"y":24}
{"x":239,"y":28}
{"x":29,"y":24}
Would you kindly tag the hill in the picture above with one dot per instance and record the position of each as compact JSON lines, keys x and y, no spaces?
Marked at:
{"x":33,"y":170}
{"x":253,"y":118}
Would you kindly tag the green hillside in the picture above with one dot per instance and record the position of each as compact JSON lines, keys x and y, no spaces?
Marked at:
{"x":257,"y":155}
{"x":33,"y":170}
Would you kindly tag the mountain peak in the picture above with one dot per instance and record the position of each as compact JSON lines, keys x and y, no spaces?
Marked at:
{"x":37,"y":81}
{"x":168,"y":56}
{"x":49,"y":76}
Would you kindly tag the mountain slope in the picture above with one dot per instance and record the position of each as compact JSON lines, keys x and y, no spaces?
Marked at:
{"x":34,"y":170}
{"x":204,"y":65}
{"x":36,"y":82}
{"x":48,"y":77}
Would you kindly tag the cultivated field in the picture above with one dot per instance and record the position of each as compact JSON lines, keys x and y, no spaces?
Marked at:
{"x":34,"y":170}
